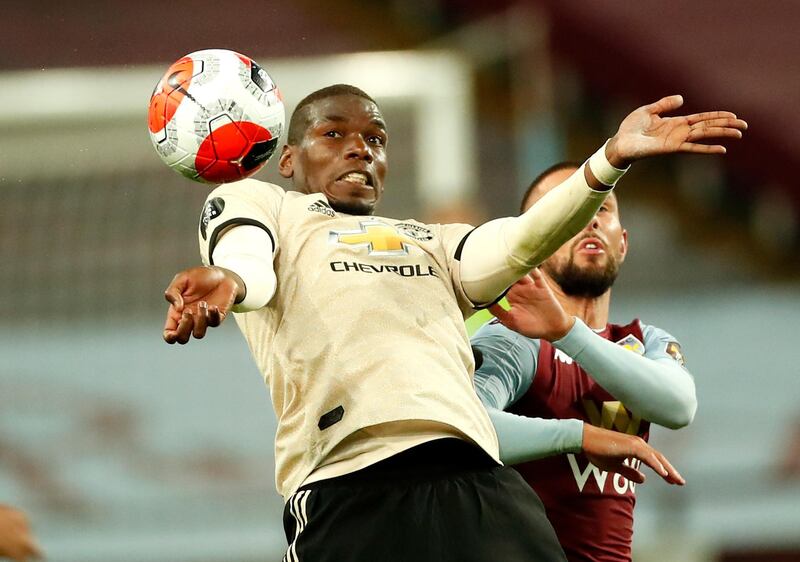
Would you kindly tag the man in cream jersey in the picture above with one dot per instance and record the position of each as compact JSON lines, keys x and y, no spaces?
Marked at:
{"x":383,"y":450}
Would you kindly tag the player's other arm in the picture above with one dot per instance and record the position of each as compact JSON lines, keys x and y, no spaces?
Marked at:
{"x":238,"y":248}
{"x":499,"y":252}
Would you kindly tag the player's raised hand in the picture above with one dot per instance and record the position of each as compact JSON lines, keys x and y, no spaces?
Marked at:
{"x":647,"y":132}
{"x":535,"y":312}
{"x":608,"y":450}
{"x":199,"y":298}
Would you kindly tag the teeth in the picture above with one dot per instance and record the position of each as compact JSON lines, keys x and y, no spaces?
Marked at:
{"x":591,"y":246}
{"x":356,"y":177}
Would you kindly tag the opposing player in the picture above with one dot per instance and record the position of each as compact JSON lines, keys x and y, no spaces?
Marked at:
{"x":16,"y":540}
{"x":383,"y":450}
{"x":555,"y":355}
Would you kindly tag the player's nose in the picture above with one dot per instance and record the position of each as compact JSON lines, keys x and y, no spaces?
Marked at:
{"x":359,"y":149}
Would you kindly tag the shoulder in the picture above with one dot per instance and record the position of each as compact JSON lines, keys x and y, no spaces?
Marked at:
{"x":249,"y":189}
{"x":660,"y":343}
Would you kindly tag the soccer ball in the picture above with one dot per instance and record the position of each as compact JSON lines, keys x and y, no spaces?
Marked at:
{"x":215,"y":116}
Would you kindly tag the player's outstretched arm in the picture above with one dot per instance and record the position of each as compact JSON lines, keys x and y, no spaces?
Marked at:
{"x":501,"y":251}
{"x":200,"y":298}
{"x":608,"y":450}
{"x":16,"y":541}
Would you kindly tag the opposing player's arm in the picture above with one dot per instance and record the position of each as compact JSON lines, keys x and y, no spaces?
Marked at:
{"x":506,"y":373}
{"x":499,"y":252}
{"x":655,"y":386}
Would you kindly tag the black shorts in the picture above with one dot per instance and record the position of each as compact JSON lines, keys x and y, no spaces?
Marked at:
{"x":441,"y":501}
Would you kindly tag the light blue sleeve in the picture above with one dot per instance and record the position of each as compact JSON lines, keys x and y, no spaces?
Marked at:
{"x":655,"y":386}
{"x":509,"y":364}
{"x":661,"y":345}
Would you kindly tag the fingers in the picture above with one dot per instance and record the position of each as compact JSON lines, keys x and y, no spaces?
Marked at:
{"x":183,"y":330}
{"x":665,"y":105}
{"x":200,"y":320}
{"x":672,"y":476}
{"x":713,"y":132}
{"x":174,"y":293}
{"x":215,"y":317}
{"x":659,"y":463}
{"x":702,"y":148}
{"x":500,"y":313}
{"x":538,"y":278}
{"x":631,"y":473}
{"x":725,"y":118}
{"x":716,"y":120}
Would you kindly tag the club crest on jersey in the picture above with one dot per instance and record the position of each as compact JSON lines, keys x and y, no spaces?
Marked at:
{"x":322,"y":207}
{"x":674,"y":351}
{"x":414,"y":231}
{"x":632,"y":342}
{"x":612,"y":415}
{"x":212,"y":210}
{"x":378,"y":237}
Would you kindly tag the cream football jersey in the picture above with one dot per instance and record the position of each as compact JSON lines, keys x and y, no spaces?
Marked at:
{"x":363,"y":345}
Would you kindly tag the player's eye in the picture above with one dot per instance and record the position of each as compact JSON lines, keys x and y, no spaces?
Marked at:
{"x":334,"y":134}
{"x":377,"y":140}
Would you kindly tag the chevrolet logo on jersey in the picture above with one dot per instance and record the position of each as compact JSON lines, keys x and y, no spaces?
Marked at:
{"x":612,"y":415}
{"x":379,"y":238}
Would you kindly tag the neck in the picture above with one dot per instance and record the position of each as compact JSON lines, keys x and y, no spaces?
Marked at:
{"x":593,"y":311}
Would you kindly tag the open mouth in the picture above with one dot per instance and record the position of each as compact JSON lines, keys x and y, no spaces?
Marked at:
{"x":591,"y":245}
{"x":362,"y":179}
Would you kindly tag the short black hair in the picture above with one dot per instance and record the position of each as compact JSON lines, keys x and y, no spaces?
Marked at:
{"x":299,"y":121}
{"x":567,"y":164}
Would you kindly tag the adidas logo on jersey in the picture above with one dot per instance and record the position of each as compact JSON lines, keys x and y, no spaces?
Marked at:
{"x":322,"y":207}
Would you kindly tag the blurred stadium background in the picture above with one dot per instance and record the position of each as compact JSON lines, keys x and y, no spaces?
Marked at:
{"x":122,"y":448}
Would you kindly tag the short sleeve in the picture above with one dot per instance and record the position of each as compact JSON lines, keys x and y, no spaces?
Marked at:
{"x":660,"y":344}
{"x":246,"y":202}
{"x":453,"y":237}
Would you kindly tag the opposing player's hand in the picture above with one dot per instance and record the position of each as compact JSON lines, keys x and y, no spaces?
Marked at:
{"x":535,"y":312}
{"x":199,"y":298}
{"x":608,"y":450}
{"x":646,"y":132}
{"x":16,"y":539}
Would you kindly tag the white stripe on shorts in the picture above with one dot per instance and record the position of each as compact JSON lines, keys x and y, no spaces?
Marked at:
{"x":297,"y":507}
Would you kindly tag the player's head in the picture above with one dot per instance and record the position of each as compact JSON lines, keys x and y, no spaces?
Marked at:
{"x":586,"y":265}
{"x":337,"y":146}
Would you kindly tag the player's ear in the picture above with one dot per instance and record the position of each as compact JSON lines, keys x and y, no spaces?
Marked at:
{"x":285,"y":163}
{"x":623,"y":245}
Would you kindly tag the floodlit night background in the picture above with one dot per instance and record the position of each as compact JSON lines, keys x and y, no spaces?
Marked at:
{"x":120,"y":447}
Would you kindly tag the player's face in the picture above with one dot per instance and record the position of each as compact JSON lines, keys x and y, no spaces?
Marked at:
{"x":587,"y":265}
{"x":342,"y":154}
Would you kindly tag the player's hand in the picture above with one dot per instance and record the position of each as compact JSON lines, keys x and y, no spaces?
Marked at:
{"x":645,"y":132}
{"x":199,"y":298}
{"x":16,"y":540}
{"x":608,"y":449}
{"x":535,"y":312}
